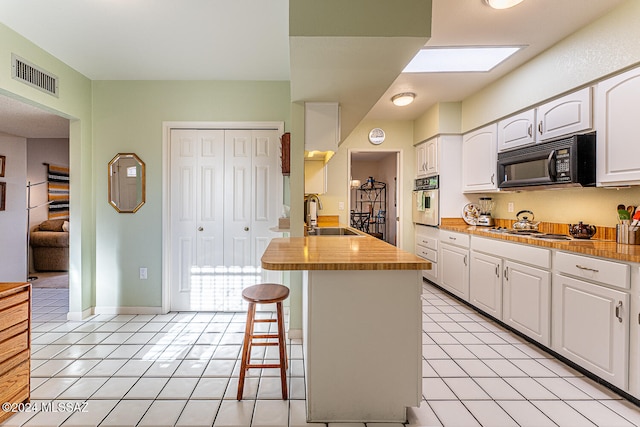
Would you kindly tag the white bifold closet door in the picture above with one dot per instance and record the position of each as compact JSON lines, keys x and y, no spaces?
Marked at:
{"x":226,"y":192}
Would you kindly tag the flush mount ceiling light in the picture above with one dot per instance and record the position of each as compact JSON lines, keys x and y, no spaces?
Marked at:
{"x":459,"y":59}
{"x":502,"y":4}
{"x":403,"y":99}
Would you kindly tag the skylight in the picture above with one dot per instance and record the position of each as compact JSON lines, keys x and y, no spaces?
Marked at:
{"x":459,"y":59}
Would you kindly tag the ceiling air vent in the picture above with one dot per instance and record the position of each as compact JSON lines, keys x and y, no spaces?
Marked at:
{"x":34,"y":76}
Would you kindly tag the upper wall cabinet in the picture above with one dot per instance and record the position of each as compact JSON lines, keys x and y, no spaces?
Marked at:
{"x":617,"y":123}
{"x":427,"y":158}
{"x":564,"y":116}
{"x":321,"y":126}
{"x":479,"y":150}
{"x":517,"y":130}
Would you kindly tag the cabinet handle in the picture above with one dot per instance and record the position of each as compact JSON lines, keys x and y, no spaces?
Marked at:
{"x":582,"y":267}
{"x":453,"y":238}
{"x":492,"y":176}
{"x":200,"y":229}
{"x":618,"y":310}
{"x":530,"y":130}
{"x":506,"y":273}
{"x":540,"y":127}
{"x":497,"y":271}
{"x":465,"y":260}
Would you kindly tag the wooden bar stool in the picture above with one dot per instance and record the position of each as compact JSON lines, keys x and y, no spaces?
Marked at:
{"x":266,"y":293}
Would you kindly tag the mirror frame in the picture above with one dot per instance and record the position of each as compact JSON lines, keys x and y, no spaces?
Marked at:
{"x":113,"y":161}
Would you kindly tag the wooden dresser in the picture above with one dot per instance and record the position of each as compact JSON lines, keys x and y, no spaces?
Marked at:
{"x":15,"y":343}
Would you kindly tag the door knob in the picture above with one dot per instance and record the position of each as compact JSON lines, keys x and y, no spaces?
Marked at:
{"x":200,"y":229}
{"x":246,"y":229}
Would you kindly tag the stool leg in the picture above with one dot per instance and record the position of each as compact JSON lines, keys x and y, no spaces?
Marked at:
{"x":283,"y":351}
{"x":248,"y":332}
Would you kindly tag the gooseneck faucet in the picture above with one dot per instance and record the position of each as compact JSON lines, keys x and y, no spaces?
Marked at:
{"x":312,"y":221}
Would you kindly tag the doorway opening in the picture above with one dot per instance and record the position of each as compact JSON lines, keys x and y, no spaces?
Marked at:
{"x":373,"y":193}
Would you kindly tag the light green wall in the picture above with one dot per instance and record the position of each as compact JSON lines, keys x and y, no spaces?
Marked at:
{"x":444,"y":117}
{"x":74,"y":103}
{"x":399,"y":136}
{"x":128,"y":117}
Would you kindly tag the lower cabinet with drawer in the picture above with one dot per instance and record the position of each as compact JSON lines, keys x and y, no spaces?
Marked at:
{"x":427,"y":248}
{"x":453,"y":261}
{"x":591,"y":315}
{"x":15,"y":343}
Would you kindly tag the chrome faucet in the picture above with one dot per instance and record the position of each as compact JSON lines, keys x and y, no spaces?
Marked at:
{"x":312,"y":222}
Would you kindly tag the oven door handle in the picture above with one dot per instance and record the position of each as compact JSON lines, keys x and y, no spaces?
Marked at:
{"x":551,"y":165}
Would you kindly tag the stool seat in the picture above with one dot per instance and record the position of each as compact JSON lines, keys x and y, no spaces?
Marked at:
{"x":265,"y":293}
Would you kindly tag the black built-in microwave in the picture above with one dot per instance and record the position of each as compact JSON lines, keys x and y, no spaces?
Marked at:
{"x":566,"y":162}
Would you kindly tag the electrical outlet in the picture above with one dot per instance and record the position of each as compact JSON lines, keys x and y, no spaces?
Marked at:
{"x":143,"y":273}
{"x":510,"y":207}
{"x":340,"y":206}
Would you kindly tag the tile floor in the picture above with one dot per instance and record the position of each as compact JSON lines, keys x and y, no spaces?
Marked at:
{"x":181,"y":369}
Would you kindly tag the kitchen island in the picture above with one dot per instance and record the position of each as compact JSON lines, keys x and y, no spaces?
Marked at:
{"x":362,"y":319}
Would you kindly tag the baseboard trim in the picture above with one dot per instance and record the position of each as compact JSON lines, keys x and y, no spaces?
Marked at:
{"x":128,"y":310}
{"x":294,"y":334}
{"x":78,"y":316}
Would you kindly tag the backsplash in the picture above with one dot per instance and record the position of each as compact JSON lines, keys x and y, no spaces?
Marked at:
{"x":595,"y":206}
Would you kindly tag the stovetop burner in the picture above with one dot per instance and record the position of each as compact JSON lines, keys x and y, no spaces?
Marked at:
{"x":529,"y":233}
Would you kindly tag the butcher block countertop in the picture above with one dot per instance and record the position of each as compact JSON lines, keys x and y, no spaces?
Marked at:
{"x":593,"y":247}
{"x":338,"y":253}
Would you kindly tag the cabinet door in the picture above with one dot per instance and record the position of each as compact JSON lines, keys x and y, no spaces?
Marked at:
{"x":517,"y":130}
{"x":315,"y":177}
{"x":479,"y":160}
{"x":485,"y":290}
{"x":421,"y":160}
{"x":591,"y":327}
{"x":432,"y":157}
{"x":566,"y":115}
{"x":617,"y":126}
{"x":527,"y":300}
{"x":454,"y":270}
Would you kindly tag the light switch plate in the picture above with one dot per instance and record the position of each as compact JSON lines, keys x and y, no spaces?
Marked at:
{"x":143,"y":273}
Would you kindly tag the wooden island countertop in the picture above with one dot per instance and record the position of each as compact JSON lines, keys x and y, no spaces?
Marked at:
{"x":338,"y":253}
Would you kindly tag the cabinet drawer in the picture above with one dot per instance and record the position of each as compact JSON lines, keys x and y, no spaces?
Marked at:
{"x":13,"y":346}
{"x":427,"y":241}
{"x":525,"y":254}
{"x":14,"y":315}
{"x":14,"y":330}
{"x":598,"y":270}
{"x":457,"y":239}
{"x":13,"y":299}
{"x":14,"y":361}
{"x":13,"y":383}
{"x":427,"y":253}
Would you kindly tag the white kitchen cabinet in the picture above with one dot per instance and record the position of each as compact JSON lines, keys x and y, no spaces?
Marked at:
{"x":427,"y":161}
{"x":527,"y":300}
{"x":485,"y":291}
{"x":453,"y":261}
{"x":321,"y":126}
{"x":569,"y":114}
{"x":616,"y":124}
{"x":516,"y":131}
{"x":479,"y":151}
{"x":427,"y":248}
{"x":591,"y":327}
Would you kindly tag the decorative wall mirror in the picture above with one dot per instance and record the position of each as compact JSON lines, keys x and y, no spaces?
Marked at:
{"x":127,"y":184}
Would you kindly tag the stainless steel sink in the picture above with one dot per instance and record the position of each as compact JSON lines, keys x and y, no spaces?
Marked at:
{"x":333,"y":231}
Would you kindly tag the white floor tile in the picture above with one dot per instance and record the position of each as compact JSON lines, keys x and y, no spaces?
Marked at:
{"x":178,"y":388}
{"x":219,"y":368}
{"x":593,"y":389}
{"x":532,"y":368}
{"x":52,"y":388}
{"x":498,"y":389}
{"x":627,"y":410}
{"x":489,"y":413}
{"x":600,"y":414}
{"x":453,"y":414}
{"x":191,"y":368}
{"x":297,"y":389}
{"x":466,"y":389}
{"x":163,"y":413}
{"x":115,"y":388}
{"x":233,"y":413}
{"x":78,"y":368}
{"x":476,"y":368}
{"x":436,"y":389}
{"x":126,"y":413}
{"x":198,"y":413}
{"x":525,"y":413}
{"x":134,"y":368}
{"x":562,"y":414}
{"x":162,"y":368}
{"x":125,"y":351}
{"x":457,"y":351}
{"x":146,"y":388}
{"x":269,"y":388}
{"x":530,"y":389}
{"x":210,"y":388}
{"x":94,"y":413}
{"x":504,"y":368}
{"x":83,"y":388}
{"x":563,"y":388}
{"x":271,"y":413}
{"x":50,"y":368}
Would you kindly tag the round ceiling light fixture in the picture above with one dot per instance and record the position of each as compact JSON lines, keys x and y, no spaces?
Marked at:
{"x":502,"y":4}
{"x":403,"y":99}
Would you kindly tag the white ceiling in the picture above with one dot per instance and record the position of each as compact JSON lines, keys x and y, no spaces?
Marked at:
{"x":248,"y":40}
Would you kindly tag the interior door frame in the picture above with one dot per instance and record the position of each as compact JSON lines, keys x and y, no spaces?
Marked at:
{"x":398,"y":190}
{"x":166,"y":193}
